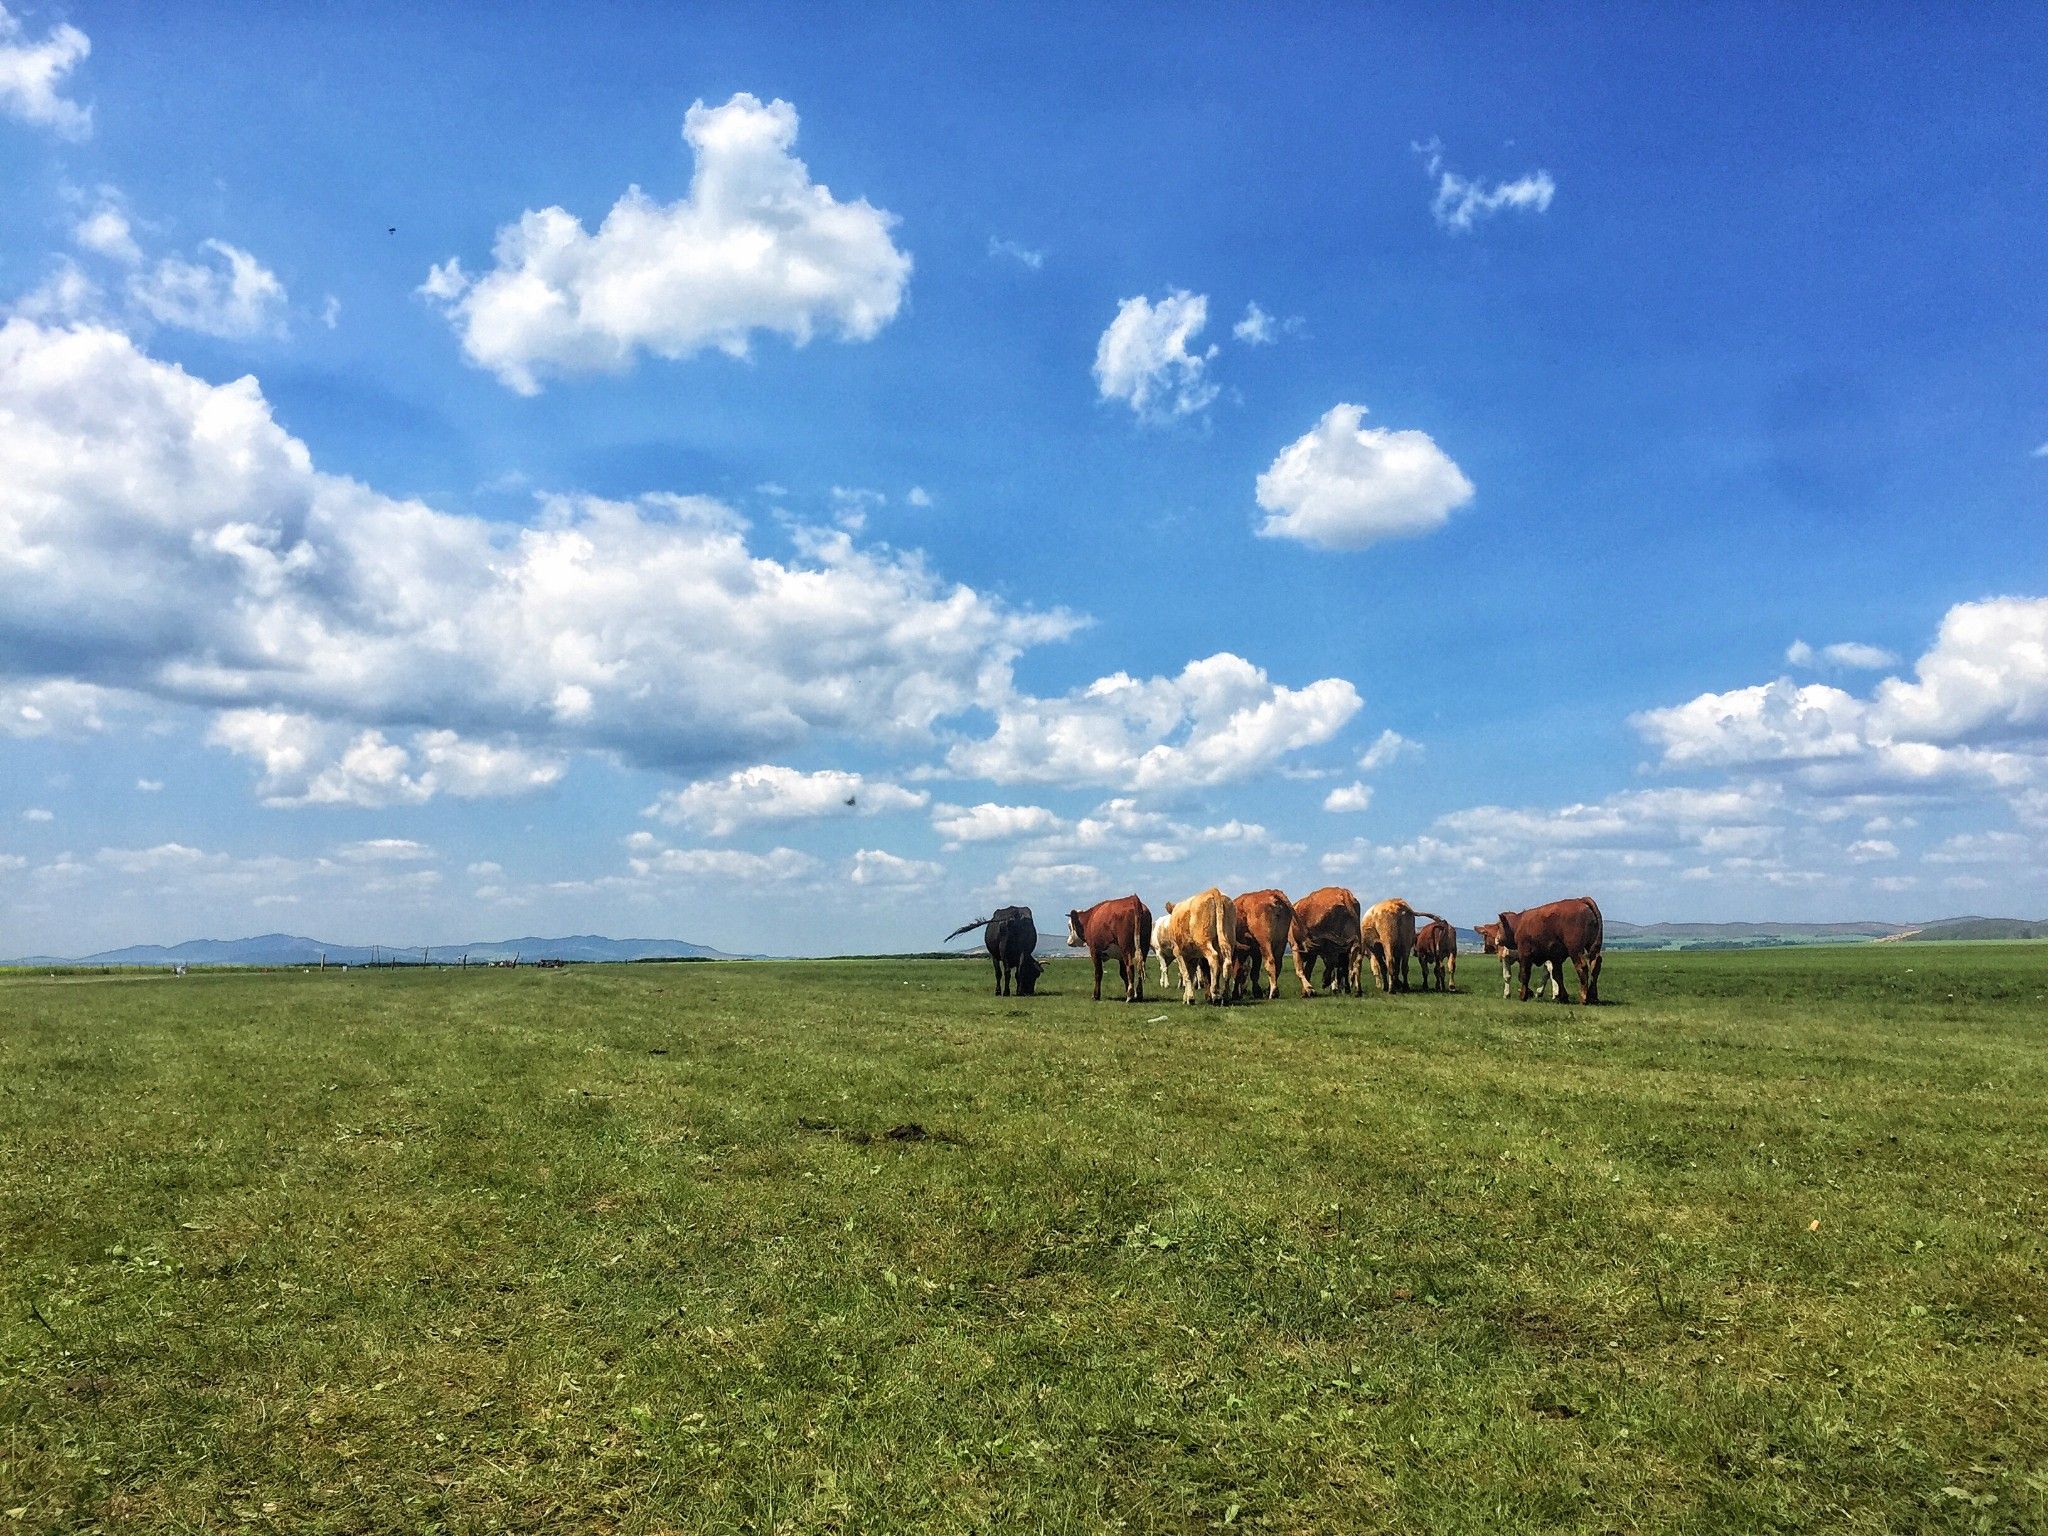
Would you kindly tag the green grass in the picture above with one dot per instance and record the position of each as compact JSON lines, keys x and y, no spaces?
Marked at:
{"x":628,"y":1249}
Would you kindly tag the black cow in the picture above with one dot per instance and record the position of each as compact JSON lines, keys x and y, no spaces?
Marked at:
{"x":1012,"y":940}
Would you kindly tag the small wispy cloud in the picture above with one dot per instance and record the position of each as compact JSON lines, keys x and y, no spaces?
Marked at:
{"x":1023,"y":255}
{"x":1461,"y":202}
{"x":1256,"y":329}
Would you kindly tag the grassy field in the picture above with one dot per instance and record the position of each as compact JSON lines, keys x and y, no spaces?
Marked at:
{"x":1758,"y":1247}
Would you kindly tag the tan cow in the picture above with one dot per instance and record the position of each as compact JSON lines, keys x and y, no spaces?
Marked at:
{"x":1203,"y":931}
{"x":1387,"y":932}
{"x":1325,"y":930}
{"x":1263,"y":920}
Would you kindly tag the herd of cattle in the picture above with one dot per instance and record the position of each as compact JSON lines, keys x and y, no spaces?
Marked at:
{"x":1228,"y":946}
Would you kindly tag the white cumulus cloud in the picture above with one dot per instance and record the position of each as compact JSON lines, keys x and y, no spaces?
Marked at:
{"x":163,"y":535}
{"x":875,"y":866}
{"x":32,"y":76}
{"x":1144,"y":361}
{"x":307,"y":761}
{"x":989,"y":822}
{"x":231,"y":295}
{"x":1350,"y":797}
{"x":1342,"y":485}
{"x":1845,"y":655}
{"x":1220,"y":720}
{"x":770,"y":792}
{"x":106,"y":232}
{"x":755,"y":246}
{"x":1976,"y":709}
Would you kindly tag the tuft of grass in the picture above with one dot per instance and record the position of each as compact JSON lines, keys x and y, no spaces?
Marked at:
{"x":634,"y":1249}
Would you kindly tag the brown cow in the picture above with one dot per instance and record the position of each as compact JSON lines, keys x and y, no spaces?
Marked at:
{"x":1555,"y":932}
{"x":1387,"y":932}
{"x":1263,"y":918}
{"x":1325,"y":928}
{"x":1122,"y":927}
{"x":1489,"y":935}
{"x":1436,"y":948}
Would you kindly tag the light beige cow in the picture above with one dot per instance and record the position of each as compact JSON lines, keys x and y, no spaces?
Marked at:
{"x":1388,"y":932}
{"x":1203,"y":933}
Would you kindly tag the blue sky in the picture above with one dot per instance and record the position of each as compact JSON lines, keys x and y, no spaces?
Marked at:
{"x":1473,"y":458}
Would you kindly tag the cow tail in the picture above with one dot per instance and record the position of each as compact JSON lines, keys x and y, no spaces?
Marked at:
{"x":979,"y":922}
{"x":1602,"y":921}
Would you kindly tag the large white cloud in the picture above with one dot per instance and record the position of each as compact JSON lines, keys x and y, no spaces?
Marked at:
{"x":1975,"y":710}
{"x":1220,"y":720}
{"x":164,"y":535}
{"x":770,"y":792}
{"x":1143,"y":357}
{"x":756,"y":246}
{"x":1342,"y":485}
{"x":32,"y":76}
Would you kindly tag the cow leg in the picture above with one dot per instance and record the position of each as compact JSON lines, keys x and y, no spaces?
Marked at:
{"x":1525,"y":964}
{"x":1137,"y":975}
{"x":1096,"y":956}
{"x":1593,"y":977}
{"x":1451,"y":967}
{"x":1507,"y":973}
{"x":999,"y":974}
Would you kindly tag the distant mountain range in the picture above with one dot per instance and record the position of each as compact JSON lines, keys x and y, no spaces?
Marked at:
{"x":290,"y":949}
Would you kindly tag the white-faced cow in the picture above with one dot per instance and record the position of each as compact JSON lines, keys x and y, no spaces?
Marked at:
{"x":1489,"y":936}
{"x":1555,"y":932}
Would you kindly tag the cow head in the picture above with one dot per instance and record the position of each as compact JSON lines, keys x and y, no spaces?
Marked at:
{"x":1489,"y":935}
{"x":1074,"y":938}
{"x":1027,"y":976}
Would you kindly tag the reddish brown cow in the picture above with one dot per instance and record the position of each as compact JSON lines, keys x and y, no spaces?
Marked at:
{"x":1489,"y":935}
{"x":1560,"y":930}
{"x":1122,"y":927}
{"x":1325,"y":928}
{"x":1263,"y":921}
{"x":1436,"y":947}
